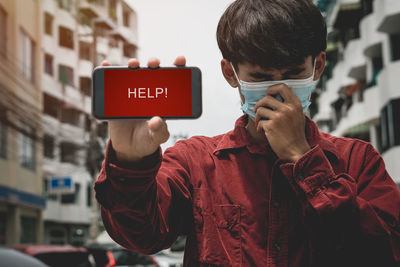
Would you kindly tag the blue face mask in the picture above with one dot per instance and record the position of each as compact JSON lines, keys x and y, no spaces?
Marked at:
{"x":254,"y":91}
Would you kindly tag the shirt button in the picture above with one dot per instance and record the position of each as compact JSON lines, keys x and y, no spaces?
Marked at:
{"x":276,"y":204}
{"x":277,"y":247}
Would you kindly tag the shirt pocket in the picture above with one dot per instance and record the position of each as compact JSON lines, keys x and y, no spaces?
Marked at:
{"x":217,"y":229}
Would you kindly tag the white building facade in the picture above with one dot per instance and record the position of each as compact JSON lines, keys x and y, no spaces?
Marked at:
{"x":359,"y":93}
{"x":77,"y":36}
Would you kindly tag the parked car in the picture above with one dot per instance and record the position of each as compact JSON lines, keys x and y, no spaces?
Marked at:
{"x":11,"y":257}
{"x":173,"y":256}
{"x":58,"y":255}
{"x":106,"y":253}
{"x":166,"y":259}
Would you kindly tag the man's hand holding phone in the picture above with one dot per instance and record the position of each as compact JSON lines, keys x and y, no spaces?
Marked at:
{"x":134,"y":139}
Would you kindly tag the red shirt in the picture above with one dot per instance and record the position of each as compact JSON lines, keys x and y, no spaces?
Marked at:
{"x":239,"y":205}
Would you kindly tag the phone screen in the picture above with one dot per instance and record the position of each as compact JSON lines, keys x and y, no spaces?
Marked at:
{"x":146,"y":92}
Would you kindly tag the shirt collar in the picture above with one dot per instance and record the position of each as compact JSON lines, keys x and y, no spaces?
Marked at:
{"x":239,"y":138}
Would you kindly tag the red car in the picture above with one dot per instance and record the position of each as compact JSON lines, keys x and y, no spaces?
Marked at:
{"x":58,"y":255}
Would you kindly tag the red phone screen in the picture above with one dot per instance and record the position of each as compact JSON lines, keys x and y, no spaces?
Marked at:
{"x":144,"y":92}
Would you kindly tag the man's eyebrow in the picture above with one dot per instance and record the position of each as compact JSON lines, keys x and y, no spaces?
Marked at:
{"x":294,"y":71}
{"x":260,"y":75}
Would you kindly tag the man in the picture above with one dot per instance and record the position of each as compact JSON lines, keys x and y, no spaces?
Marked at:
{"x":272,"y":192}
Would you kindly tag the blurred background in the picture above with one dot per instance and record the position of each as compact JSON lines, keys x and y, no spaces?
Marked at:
{"x":51,"y":148}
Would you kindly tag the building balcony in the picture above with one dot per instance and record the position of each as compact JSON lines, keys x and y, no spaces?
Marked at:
{"x":129,"y":34}
{"x":66,"y":56}
{"x":71,"y":213}
{"x":115,"y":56}
{"x":360,"y":112}
{"x":65,"y":18}
{"x":50,"y":124}
{"x":73,"y":97}
{"x":102,"y":45}
{"x":88,"y":104}
{"x":355,"y":60}
{"x":85,"y":33}
{"x":85,"y":68}
{"x":50,"y":6}
{"x":77,"y":211}
{"x":49,"y":43}
{"x":339,"y":79}
{"x":50,"y":166}
{"x":88,"y":9}
{"x":51,"y":86}
{"x":388,"y":17}
{"x":371,"y":38}
{"x":72,"y":133}
{"x":388,"y":81}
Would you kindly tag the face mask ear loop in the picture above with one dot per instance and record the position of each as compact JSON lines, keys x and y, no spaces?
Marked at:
{"x":315,"y":65}
{"x":234,"y":72}
{"x":313,"y":73}
{"x":237,"y":78}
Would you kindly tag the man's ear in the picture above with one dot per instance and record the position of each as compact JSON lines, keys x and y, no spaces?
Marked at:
{"x":320,"y":62}
{"x":228,"y":73}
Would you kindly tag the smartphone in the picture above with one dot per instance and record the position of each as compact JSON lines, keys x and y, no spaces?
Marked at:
{"x":127,"y":93}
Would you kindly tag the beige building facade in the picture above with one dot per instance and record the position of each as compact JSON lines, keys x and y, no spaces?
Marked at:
{"x":21,"y":201}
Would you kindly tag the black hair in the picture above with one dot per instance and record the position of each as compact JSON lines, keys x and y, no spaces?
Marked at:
{"x":271,"y":33}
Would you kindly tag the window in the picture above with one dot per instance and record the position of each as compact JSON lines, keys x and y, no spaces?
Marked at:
{"x":3,"y":32}
{"x":3,"y":140}
{"x":390,"y":124}
{"x":86,"y":86}
{"x":65,"y":4}
{"x":68,"y":153}
{"x":27,"y":157}
{"x":395,"y":46}
{"x":48,"y":146}
{"x":48,"y":64}
{"x":84,"y":50}
{"x":50,"y":106}
{"x":66,"y":75}
{"x":71,"y":198}
{"x":89,"y":195}
{"x":26,"y":55}
{"x":70,"y":116}
{"x":394,"y":122}
{"x":126,"y":18}
{"x":65,"y":37}
{"x":28,"y":230}
{"x":377,"y":65}
{"x":368,"y":7}
{"x":46,"y":182}
{"x":113,"y":43}
{"x":129,"y":50}
{"x":48,"y":23}
{"x":3,"y":227}
{"x":88,"y":123}
{"x":58,"y":236}
{"x":112,"y":9}
{"x":102,"y":129}
{"x":97,"y":2}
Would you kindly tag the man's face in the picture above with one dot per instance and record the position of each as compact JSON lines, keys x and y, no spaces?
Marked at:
{"x":254,"y":73}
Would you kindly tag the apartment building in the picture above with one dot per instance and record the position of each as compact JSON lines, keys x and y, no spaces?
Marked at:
{"x":359,"y":94}
{"x":77,"y":35}
{"x":21,"y":201}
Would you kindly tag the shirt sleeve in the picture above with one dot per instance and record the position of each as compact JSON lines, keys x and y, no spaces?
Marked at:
{"x":371,"y":198}
{"x":147,"y":205}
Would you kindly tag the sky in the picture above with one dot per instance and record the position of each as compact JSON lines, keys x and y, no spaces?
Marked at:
{"x":167,"y":29}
